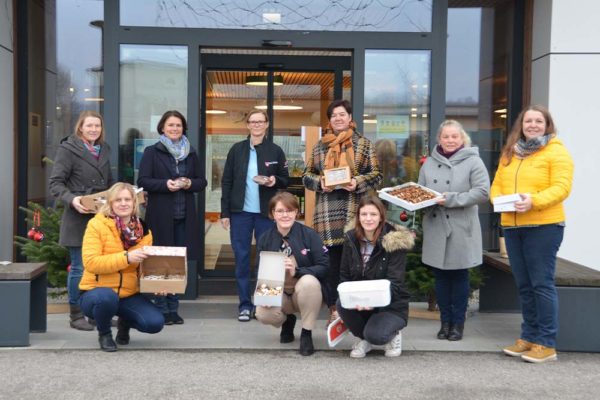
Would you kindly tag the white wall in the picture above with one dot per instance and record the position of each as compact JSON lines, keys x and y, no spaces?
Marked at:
{"x":7,"y":133}
{"x":566,"y":78}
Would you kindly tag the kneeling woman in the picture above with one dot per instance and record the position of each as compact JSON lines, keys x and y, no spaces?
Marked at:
{"x":111,"y":252}
{"x":306,"y":268}
{"x":376,"y":250}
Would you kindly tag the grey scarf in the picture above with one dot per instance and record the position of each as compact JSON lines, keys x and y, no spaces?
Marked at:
{"x":524,"y":149}
{"x":179,"y":150}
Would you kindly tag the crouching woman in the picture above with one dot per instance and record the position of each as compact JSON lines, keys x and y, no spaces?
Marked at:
{"x":306,"y":268}
{"x":111,"y":252}
{"x":375,"y":249}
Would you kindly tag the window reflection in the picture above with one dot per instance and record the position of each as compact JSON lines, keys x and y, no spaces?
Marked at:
{"x":396,"y":109}
{"x":153,"y":80}
{"x":343,"y":15}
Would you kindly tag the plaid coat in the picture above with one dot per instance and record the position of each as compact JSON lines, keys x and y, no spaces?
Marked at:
{"x":335,"y":209}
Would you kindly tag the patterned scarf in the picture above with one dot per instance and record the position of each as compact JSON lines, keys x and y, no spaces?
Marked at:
{"x":131,"y":232}
{"x":94,"y":149}
{"x":341,"y":152}
{"x":179,"y":149}
{"x":524,"y":149}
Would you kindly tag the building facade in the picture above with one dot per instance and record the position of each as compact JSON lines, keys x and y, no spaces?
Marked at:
{"x":404,"y":65}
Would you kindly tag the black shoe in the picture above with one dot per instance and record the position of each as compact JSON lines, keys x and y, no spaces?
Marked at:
{"x":444,"y":331}
{"x":122,"y":337}
{"x":175,"y":318}
{"x":456,"y":332}
{"x":306,"y":343}
{"x":287,"y":329}
{"x":107,"y":343}
{"x":168,"y":319}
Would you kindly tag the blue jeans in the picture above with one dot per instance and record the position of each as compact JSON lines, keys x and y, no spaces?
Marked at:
{"x":376,"y":326}
{"x":137,"y":311}
{"x":452,"y":294}
{"x":242,"y":225}
{"x":170,"y":303}
{"x":532,"y":255}
{"x":74,"y":276}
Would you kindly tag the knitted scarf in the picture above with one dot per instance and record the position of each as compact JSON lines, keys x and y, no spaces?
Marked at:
{"x":131,"y":232}
{"x":179,"y":150}
{"x":94,"y":149}
{"x":341,"y":152}
{"x":524,"y":149}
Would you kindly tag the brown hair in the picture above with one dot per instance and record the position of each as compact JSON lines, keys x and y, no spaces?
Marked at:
{"x":369,"y":200}
{"x":516,"y":132}
{"x":255,"y":111}
{"x":173,"y":113}
{"x":453,"y":123}
{"x":113,"y":192}
{"x":288,"y":200}
{"x":79,"y":124}
{"x":339,"y":103}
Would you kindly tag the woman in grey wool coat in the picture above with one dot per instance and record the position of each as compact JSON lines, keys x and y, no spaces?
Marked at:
{"x":451,"y":230}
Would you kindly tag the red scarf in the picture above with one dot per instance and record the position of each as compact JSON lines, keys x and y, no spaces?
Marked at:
{"x":131,"y":232}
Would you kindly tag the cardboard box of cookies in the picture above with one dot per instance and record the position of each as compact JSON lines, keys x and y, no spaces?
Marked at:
{"x":95,"y":201}
{"x":410,"y":196}
{"x":269,"y":282}
{"x":164,"y":270}
{"x":506,"y":203}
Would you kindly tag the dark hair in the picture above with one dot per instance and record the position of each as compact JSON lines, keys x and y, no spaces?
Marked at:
{"x":89,"y":114}
{"x":369,"y":200}
{"x":287,"y":199}
{"x":339,"y":103}
{"x":516,"y":132}
{"x":166,"y":116}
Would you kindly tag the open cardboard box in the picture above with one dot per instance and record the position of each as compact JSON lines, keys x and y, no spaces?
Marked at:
{"x":506,"y":203}
{"x":164,"y":260}
{"x":95,"y":201}
{"x":271,"y":272}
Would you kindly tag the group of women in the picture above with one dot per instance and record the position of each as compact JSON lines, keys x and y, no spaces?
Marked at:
{"x":351,"y":239}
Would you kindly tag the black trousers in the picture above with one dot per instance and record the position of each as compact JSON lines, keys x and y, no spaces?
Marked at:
{"x":375,"y":326}
{"x":335,"y":259}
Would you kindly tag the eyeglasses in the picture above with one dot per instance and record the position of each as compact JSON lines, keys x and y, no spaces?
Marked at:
{"x":284,"y":212}
{"x":257,"y":122}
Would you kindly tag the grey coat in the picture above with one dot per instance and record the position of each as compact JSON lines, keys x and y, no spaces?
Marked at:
{"x":451,"y":233}
{"x":75,"y":173}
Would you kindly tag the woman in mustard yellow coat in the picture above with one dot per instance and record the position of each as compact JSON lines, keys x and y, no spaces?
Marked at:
{"x":537,"y":166}
{"x":112,"y":250}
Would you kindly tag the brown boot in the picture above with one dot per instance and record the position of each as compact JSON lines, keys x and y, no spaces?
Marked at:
{"x":78,"y":321}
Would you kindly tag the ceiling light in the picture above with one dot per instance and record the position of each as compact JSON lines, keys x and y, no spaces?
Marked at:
{"x":280,"y":107}
{"x":262,"y":80}
{"x":413,"y":115}
{"x":216,"y":112}
{"x":423,"y":115}
{"x":500,"y":111}
{"x":369,"y":121}
{"x":414,"y":109}
{"x":93,"y":99}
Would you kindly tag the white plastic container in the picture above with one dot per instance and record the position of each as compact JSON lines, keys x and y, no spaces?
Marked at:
{"x":374,"y":293}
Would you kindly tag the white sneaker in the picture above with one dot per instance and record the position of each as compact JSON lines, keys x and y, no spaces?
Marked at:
{"x":394,"y":347}
{"x":360,"y":349}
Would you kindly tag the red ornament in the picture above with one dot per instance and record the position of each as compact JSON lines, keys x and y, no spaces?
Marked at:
{"x":31,"y":233}
{"x":35,"y":233}
{"x":403,"y":216}
{"x":69,"y":268}
{"x":422,"y":159}
{"x":38,"y":236}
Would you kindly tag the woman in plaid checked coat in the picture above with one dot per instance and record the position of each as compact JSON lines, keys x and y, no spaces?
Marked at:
{"x":341,"y":145}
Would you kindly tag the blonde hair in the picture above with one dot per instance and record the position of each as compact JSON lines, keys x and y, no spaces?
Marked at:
{"x":455,"y":124}
{"x":82,"y":116}
{"x":112,"y":194}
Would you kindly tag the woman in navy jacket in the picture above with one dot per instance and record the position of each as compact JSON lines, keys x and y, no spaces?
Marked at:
{"x":170,"y":173}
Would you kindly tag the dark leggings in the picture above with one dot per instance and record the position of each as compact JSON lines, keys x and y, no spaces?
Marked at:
{"x":376,"y":326}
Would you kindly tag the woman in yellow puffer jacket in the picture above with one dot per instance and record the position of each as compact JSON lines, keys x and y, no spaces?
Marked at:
{"x":537,"y":166}
{"x":111,"y":252}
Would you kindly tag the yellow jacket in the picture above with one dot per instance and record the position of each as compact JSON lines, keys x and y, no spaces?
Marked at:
{"x":546,"y":175}
{"x":104,"y":260}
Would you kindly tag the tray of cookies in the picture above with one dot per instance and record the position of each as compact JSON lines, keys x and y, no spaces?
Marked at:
{"x":411,"y":196}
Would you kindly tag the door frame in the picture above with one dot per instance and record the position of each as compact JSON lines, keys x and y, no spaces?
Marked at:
{"x":271,"y":63}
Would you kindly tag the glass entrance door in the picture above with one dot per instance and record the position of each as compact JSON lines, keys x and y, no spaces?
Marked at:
{"x":291,"y":98}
